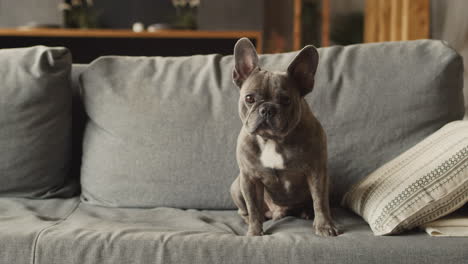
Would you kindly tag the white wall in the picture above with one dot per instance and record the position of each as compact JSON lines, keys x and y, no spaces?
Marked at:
{"x":230,"y":14}
{"x":20,"y":12}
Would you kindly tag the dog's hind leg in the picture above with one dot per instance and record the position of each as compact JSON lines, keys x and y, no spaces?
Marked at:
{"x":275,"y":212}
{"x":238,"y":199}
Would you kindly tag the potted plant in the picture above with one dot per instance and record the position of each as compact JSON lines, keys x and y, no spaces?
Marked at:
{"x":186,"y":13}
{"x":79,"y":14}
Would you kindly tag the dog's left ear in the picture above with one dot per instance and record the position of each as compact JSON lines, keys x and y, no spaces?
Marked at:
{"x":302,"y":69}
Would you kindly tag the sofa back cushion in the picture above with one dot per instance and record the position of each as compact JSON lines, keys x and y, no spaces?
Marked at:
{"x":162,"y":131}
{"x":35,"y":122}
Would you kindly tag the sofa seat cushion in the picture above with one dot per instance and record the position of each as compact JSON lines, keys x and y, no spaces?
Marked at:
{"x":165,"y":235}
{"x":23,"y":220}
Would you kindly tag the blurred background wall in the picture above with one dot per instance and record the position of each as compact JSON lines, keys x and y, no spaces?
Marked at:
{"x":15,"y":13}
{"x":449,"y":22}
{"x":212,"y":14}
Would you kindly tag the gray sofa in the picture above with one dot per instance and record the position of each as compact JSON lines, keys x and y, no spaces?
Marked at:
{"x":375,"y":101}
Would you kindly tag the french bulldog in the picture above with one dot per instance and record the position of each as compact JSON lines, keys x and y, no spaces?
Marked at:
{"x":281,"y":148}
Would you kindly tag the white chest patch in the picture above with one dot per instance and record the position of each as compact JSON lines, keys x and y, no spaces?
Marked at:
{"x":270,"y":158}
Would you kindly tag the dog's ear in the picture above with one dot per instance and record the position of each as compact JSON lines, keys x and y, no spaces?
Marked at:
{"x":245,"y":61}
{"x":302,"y":69}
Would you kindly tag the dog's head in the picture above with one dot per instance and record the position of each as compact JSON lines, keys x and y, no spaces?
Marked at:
{"x":270,"y":103}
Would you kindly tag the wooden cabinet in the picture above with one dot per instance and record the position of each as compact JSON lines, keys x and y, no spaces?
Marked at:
{"x":291,"y":24}
{"x":394,"y":20}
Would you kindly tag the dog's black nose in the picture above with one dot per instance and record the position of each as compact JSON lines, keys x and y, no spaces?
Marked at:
{"x":267,"y":110}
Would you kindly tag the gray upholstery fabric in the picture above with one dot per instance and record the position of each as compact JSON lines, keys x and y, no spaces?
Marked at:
{"x":23,"y":220}
{"x":79,"y":121}
{"x":76,"y":71}
{"x":378,"y":100}
{"x":162,"y":131}
{"x":167,"y":235}
{"x":35,"y":122}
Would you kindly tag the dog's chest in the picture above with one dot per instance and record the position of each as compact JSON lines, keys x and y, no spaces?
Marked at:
{"x":270,"y":157}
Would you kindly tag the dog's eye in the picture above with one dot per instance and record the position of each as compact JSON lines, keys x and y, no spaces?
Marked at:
{"x":284,"y":100}
{"x":250,"y":99}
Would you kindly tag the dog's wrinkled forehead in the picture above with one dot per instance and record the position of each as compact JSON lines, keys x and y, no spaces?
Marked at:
{"x":266,"y":83}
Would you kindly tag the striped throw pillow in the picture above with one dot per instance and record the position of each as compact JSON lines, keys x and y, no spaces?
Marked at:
{"x":428,"y":181}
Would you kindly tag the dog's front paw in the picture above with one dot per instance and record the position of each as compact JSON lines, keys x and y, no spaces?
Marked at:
{"x":326,"y":230}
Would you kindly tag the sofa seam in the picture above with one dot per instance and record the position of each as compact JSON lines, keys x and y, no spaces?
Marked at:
{"x":36,"y":239}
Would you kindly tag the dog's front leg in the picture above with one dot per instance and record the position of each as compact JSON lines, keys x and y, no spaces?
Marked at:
{"x":252,"y":189}
{"x":318,"y":185}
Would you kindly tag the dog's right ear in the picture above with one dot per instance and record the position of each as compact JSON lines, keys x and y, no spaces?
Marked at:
{"x":245,"y":61}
